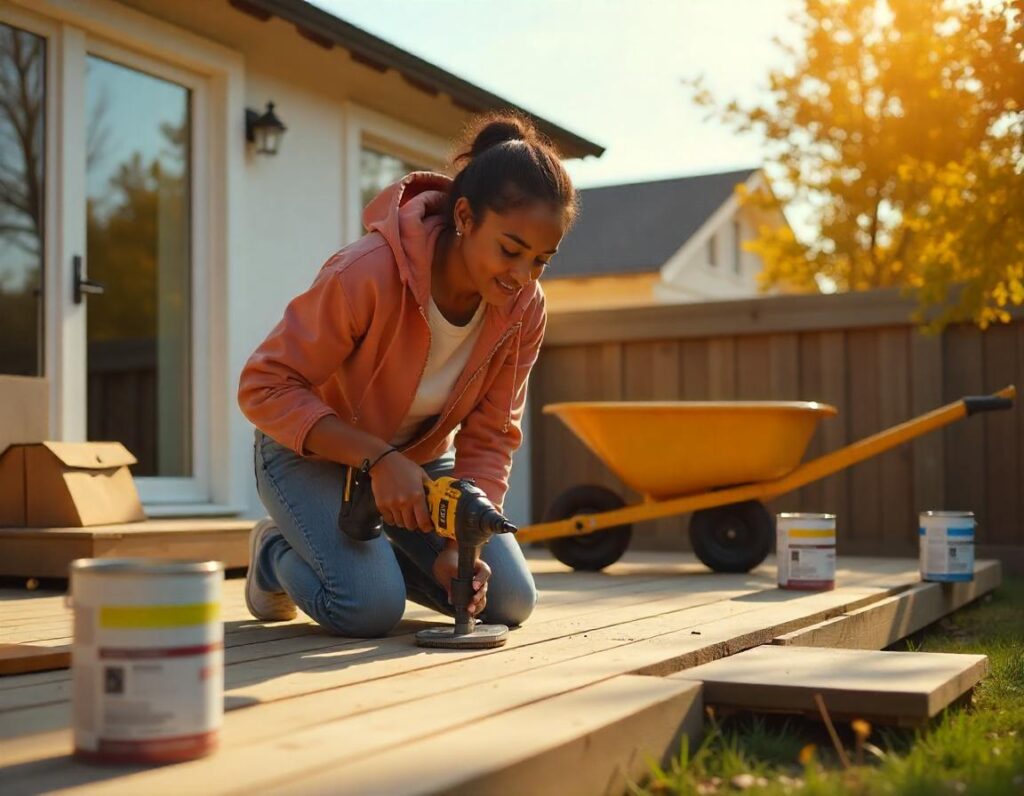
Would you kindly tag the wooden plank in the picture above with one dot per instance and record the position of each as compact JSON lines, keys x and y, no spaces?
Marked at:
{"x":322,"y":709}
{"x":1002,"y":456}
{"x":811,"y":497}
{"x":929,"y":478}
{"x":694,"y":370}
{"x":784,"y":385}
{"x":885,"y":622}
{"x":834,"y":431}
{"x":753,"y":368}
{"x":603,"y":734}
{"x":864,"y":420}
{"x":24,"y":658}
{"x":663,"y":641}
{"x":905,"y":688}
{"x":722,"y":369}
{"x":761,"y":315}
{"x":965,"y":441}
{"x":898,"y":521}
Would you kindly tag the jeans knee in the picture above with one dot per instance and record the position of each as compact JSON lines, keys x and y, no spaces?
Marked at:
{"x":369,"y":616}
{"x":511,"y":601}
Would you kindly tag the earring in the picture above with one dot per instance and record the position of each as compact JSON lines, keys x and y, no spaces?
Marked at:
{"x":458,"y":233}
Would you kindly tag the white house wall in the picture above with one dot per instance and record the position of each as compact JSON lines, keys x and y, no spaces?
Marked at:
{"x":294,"y":209}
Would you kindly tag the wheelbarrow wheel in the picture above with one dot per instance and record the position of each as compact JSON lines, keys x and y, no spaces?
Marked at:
{"x":592,"y":551}
{"x":732,"y":538}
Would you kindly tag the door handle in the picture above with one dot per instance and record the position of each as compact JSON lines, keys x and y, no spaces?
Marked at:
{"x":83,"y":286}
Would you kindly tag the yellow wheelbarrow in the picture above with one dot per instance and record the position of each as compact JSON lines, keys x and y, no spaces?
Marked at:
{"x":682,"y":457}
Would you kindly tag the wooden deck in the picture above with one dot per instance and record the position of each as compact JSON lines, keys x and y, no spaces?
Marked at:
{"x":572,"y":691}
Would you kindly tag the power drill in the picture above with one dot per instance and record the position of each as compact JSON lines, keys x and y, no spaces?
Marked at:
{"x":459,"y":509}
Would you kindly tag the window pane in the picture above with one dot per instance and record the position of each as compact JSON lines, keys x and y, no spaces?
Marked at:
{"x":378,"y":170}
{"x":22,"y":149}
{"x":139,"y":346}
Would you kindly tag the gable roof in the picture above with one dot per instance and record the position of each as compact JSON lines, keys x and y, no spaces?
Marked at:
{"x":323,"y":28}
{"x":634,"y":228}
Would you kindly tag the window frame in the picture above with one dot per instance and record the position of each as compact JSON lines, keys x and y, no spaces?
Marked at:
{"x":368,"y":128}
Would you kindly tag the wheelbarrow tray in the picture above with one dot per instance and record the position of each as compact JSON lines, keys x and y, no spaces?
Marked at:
{"x":669,"y":449}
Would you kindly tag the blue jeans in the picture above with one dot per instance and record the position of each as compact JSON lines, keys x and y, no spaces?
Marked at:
{"x":354,"y":588}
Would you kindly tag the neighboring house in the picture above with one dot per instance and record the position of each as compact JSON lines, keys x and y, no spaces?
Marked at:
{"x":661,"y":241}
{"x":123,"y":135}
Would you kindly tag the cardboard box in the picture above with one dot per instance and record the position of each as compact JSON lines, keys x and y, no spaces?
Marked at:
{"x":67,"y":485}
{"x":24,"y":410}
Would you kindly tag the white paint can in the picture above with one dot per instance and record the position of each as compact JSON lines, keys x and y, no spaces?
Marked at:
{"x":147,"y":660}
{"x":947,"y":545}
{"x":805,"y":548}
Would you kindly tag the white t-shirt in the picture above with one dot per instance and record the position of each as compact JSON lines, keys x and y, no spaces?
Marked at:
{"x":450,"y":347}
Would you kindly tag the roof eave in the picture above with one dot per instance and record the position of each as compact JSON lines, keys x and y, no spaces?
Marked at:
{"x":326,"y":29}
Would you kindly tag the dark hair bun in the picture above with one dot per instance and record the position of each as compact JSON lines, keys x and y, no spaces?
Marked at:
{"x":497,"y":177}
{"x":498,"y":132}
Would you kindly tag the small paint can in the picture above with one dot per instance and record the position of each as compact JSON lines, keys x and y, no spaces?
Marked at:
{"x":947,"y":545}
{"x":805,"y":548}
{"x":147,"y":660}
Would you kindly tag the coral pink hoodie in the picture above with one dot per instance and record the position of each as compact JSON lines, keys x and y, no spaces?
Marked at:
{"x":355,"y":346}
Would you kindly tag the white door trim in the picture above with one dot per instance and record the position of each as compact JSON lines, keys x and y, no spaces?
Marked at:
{"x":216,"y":76}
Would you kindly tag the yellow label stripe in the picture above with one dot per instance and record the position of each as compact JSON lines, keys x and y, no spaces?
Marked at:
{"x":812,"y":533}
{"x":150,"y":617}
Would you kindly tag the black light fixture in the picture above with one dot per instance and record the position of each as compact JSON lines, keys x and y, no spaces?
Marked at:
{"x":264,"y":130}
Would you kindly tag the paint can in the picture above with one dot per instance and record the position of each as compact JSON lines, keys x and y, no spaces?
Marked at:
{"x":805,"y":548}
{"x":947,"y":545}
{"x":147,"y":660}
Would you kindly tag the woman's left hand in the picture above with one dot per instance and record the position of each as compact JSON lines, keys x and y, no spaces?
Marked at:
{"x":446,"y":567}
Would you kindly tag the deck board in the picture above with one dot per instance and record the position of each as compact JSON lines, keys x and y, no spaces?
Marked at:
{"x":314,"y":703}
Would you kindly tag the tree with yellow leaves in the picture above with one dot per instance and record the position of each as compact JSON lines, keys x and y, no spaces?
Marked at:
{"x":899,"y":124}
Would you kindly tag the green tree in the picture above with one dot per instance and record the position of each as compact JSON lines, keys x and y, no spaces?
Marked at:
{"x":899,"y":124}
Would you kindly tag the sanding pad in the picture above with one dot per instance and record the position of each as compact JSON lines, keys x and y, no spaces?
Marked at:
{"x":482,"y":637}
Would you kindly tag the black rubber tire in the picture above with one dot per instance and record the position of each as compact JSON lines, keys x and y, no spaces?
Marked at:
{"x":733,"y":538}
{"x":593,"y":551}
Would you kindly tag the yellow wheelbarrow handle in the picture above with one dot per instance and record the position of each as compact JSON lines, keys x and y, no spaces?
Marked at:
{"x":766,"y":490}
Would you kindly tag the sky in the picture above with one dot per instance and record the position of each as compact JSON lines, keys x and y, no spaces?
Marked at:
{"x":608,"y":70}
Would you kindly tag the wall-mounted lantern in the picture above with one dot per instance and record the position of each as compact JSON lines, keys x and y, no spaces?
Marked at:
{"x":264,"y":130}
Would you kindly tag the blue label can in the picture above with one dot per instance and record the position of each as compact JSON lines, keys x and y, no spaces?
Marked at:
{"x":947,"y":545}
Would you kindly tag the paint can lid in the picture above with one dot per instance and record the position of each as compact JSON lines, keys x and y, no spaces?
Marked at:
{"x":957,"y":514}
{"x":798,"y":515}
{"x":145,"y":566}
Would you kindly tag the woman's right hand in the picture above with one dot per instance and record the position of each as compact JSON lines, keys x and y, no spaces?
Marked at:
{"x":398,"y":489}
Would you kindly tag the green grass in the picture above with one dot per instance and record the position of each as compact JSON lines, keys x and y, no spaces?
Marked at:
{"x":975,"y":749}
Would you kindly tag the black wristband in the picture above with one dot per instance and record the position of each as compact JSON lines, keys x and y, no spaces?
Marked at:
{"x":367,"y":466}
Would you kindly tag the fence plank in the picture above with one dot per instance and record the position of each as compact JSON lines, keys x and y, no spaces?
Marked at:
{"x":925,"y":395}
{"x":753,"y":368}
{"x":722,"y":369}
{"x":784,"y":385}
{"x":898,"y":526}
{"x":864,"y":415}
{"x":834,"y":434}
{"x":694,"y":358}
{"x":965,"y":441}
{"x":1002,"y":466}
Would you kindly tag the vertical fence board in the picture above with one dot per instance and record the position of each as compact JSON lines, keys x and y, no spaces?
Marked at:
{"x":753,"y":368}
{"x":784,"y":385}
{"x":928,"y":451}
{"x":863,"y":420}
{"x":898,"y":528}
{"x":812,"y":496}
{"x":1002,"y":466}
{"x":834,"y":368}
{"x":722,"y":369}
{"x":693,"y":370}
{"x":965,"y":441}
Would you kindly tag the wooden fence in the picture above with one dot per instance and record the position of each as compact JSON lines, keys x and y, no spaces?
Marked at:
{"x":858,"y":352}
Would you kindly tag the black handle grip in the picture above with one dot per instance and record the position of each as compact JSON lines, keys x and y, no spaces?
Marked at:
{"x":986,"y":403}
{"x":81,"y":284}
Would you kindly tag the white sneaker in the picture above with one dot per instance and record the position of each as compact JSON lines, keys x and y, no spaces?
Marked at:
{"x":269,"y":606}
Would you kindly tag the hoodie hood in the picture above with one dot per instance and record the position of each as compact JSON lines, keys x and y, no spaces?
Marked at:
{"x":410,"y":216}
